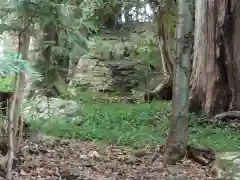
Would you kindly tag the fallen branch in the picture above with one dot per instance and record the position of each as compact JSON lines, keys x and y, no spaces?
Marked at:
{"x":162,"y":91}
{"x":228,"y":115}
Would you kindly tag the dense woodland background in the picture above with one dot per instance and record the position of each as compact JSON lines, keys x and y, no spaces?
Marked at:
{"x":124,"y":76}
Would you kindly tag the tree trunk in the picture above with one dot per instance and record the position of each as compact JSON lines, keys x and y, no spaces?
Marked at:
{"x":177,"y":142}
{"x":198,"y":80}
{"x":20,"y":88}
{"x":16,"y":104}
{"x":214,"y":83}
{"x":231,"y":41}
{"x":52,"y":78}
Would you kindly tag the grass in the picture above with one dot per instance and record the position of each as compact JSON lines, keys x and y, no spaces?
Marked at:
{"x":6,"y":83}
{"x":135,"y":126}
{"x":132,"y":125}
{"x":125,"y":124}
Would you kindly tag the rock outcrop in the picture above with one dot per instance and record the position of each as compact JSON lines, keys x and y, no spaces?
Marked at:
{"x":45,"y":108}
{"x":107,"y":76}
{"x":228,"y":165}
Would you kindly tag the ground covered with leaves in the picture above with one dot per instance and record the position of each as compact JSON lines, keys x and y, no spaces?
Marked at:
{"x":54,"y":158}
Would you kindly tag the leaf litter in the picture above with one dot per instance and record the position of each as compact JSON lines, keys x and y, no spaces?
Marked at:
{"x":70,"y":159}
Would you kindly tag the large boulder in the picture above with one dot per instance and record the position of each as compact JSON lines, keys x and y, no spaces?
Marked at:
{"x":46,"y":108}
{"x":92,"y":73}
{"x":122,"y":49}
{"x":228,"y":165}
{"x":124,"y":74}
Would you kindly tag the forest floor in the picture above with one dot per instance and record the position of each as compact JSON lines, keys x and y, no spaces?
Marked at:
{"x":68,"y":159}
{"x":106,"y":142}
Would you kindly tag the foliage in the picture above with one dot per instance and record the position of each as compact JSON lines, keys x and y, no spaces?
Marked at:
{"x":166,"y":18}
{"x":7,"y":83}
{"x":71,"y":39}
{"x":100,"y":48}
{"x":134,"y":125}
{"x":74,"y":21}
{"x":148,"y":52}
{"x":10,"y":63}
{"x":64,"y":15}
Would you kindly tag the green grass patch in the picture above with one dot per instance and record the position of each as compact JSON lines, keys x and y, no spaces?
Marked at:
{"x":135,"y":126}
{"x":6,"y":83}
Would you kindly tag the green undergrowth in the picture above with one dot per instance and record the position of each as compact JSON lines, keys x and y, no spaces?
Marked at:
{"x":6,"y":83}
{"x":135,"y":126}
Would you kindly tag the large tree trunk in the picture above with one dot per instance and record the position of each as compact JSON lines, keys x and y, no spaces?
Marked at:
{"x":198,"y":76}
{"x":232,"y":43}
{"x":177,"y":142}
{"x":214,"y":81}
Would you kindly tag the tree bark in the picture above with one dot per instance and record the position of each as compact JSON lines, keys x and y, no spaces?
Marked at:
{"x":17,"y":102}
{"x":214,"y":83}
{"x":232,"y":43}
{"x":177,"y":142}
{"x":198,"y":80}
{"x":10,"y":155}
{"x":52,"y":78}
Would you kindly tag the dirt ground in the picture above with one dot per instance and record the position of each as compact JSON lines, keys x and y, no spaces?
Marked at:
{"x":67,"y":159}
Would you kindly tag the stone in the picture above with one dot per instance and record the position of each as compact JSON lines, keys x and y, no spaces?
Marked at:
{"x":91,"y":73}
{"x":121,"y":49}
{"x":93,"y":154}
{"x":116,"y":75}
{"x":43,"y":107}
{"x":227,"y":165}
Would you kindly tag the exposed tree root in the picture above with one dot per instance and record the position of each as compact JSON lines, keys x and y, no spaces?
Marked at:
{"x":4,"y":161}
{"x":228,"y":115}
{"x":203,"y":156}
{"x":4,"y":148}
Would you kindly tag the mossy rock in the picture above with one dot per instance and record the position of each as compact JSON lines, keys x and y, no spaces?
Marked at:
{"x":228,"y":165}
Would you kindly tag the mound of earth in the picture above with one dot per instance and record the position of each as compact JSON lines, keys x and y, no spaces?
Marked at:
{"x":54,"y":159}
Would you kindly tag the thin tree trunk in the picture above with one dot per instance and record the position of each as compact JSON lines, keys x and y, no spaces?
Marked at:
{"x":16,"y":104}
{"x":24,"y":49}
{"x":51,"y":74}
{"x":11,"y":149}
{"x":177,"y":142}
